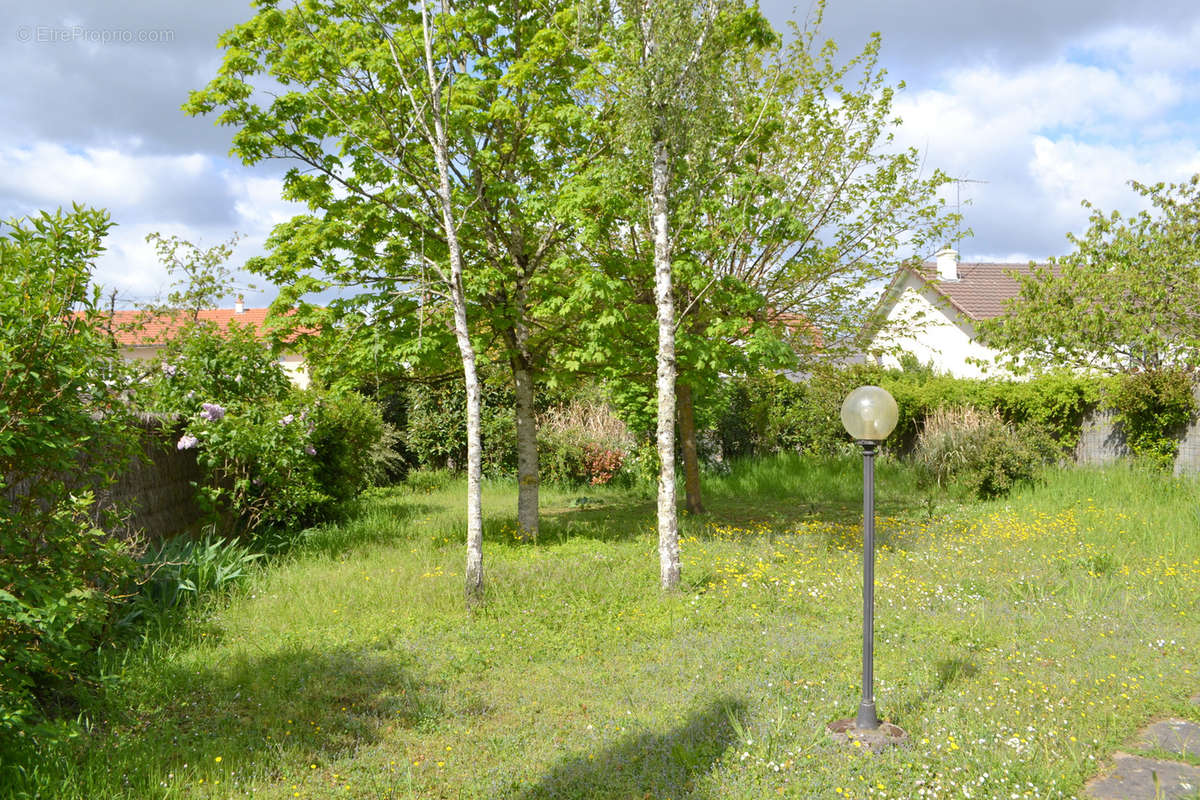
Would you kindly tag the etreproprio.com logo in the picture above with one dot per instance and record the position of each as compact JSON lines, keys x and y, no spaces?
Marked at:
{"x":70,"y":34}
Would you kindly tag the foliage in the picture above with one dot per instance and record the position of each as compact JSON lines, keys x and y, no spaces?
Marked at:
{"x":273,"y":456}
{"x":204,"y":279}
{"x":582,"y":442}
{"x":981,"y":451}
{"x":349,"y":437}
{"x":184,"y":569}
{"x":436,"y":433}
{"x":768,"y":414}
{"x":1126,"y":299}
{"x":61,"y":431}
{"x":202,"y":363}
{"x":1151,"y":408}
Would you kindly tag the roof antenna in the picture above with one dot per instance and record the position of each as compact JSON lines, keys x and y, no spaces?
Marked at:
{"x":958,"y":182}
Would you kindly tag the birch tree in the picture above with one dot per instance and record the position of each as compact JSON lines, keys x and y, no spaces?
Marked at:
{"x":429,"y":142}
{"x":667,"y":91}
{"x":790,"y":201}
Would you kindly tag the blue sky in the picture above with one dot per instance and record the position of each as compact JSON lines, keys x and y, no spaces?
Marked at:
{"x":1046,"y":103}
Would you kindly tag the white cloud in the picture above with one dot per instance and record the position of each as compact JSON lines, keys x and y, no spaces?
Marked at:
{"x":1045,"y":137}
{"x":259,"y":202}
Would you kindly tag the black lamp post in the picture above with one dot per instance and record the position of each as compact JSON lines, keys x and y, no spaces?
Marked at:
{"x":869,"y":414}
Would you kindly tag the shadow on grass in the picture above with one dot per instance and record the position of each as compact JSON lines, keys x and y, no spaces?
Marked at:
{"x":949,"y":672}
{"x":377,"y":518}
{"x":657,"y":765}
{"x":759,"y":496}
{"x":253,"y":714}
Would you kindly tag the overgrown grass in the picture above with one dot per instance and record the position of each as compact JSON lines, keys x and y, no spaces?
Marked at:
{"x":1018,"y":642}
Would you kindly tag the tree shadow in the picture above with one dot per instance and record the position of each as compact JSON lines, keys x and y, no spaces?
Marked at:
{"x":256,"y":712}
{"x":948,"y":672}
{"x":656,"y":765}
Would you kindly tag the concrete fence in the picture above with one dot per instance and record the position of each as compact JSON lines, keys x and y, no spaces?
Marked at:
{"x":153,"y":492}
{"x":1102,"y":442}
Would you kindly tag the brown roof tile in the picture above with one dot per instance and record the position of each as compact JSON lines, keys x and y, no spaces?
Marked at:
{"x":981,"y":289}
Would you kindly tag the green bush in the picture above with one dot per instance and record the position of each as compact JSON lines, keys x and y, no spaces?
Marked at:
{"x":980,"y":451}
{"x":273,"y":456}
{"x":1151,"y":409}
{"x":350,"y":439}
{"x":436,"y":433}
{"x":61,"y":429}
{"x":768,"y":414}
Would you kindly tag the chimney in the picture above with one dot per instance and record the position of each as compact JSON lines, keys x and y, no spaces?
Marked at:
{"x":947,"y":264}
{"x":240,"y":307}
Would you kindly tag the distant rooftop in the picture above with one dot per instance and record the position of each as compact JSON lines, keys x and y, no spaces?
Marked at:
{"x":140,"y":329}
{"x":981,"y":289}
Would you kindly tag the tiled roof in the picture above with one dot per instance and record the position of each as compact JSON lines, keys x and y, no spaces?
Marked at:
{"x":135,"y":328}
{"x":981,"y":289}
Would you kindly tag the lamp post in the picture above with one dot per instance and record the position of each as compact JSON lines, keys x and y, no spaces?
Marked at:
{"x":869,"y":414}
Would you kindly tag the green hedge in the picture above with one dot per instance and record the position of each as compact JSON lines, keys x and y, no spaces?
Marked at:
{"x":771,"y":413}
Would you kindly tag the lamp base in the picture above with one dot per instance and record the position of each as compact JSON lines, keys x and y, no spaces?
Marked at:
{"x":878,"y":739}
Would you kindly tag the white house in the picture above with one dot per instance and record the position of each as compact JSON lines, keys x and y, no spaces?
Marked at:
{"x":931,"y":311}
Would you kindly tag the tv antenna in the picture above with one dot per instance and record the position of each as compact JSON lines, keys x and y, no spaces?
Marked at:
{"x":958,"y":182}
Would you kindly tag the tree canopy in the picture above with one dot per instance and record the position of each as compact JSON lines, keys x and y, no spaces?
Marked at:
{"x":1126,"y":299}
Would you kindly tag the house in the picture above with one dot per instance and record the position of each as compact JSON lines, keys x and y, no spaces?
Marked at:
{"x":931,"y":312}
{"x":141,"y":337}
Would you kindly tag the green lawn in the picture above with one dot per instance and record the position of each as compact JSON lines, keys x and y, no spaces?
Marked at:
{"x":1018,"y":642}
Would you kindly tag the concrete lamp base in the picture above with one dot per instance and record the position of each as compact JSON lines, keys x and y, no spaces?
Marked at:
{"x":847,"y":732}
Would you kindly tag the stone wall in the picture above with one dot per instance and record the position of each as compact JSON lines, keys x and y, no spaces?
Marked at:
{"x":157,"y":487}
{"x":1102,"y":442}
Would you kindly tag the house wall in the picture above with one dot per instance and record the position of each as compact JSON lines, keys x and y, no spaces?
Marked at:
{"x":922,"y":323}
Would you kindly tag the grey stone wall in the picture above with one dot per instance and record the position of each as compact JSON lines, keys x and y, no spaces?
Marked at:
{"x":157,"y":487}
{"x":1102,"y":442}
{"x":1188,"y":460}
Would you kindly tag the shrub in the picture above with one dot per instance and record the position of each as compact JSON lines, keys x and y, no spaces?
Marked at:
{"x":202,"y":363}
{"x":980,"y":451}
{"x":273,"y":456}
{"x":1151,"y":407}
{"x":436,"y":433}
{"x":349,"y":439}
{"x":581,"y":442}
{"x":260,"y":463}
{"x":61,"y":430}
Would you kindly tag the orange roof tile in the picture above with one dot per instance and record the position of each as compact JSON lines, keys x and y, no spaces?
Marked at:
{"x":139,"y":329}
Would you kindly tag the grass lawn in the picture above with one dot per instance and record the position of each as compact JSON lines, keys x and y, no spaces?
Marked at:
{"x":1018,"y":642}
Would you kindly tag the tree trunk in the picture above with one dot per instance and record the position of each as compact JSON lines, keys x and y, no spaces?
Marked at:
{"x":668,"y":523}
{"x":441,"y":156}
{"x":691,"y":458}
{"x":527,"y":455}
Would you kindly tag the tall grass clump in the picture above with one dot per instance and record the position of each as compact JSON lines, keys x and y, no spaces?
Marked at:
{"x":582,"y":442}
{"x":978,"y":450}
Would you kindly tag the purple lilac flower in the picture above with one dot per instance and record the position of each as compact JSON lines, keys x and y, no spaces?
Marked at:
{"x":169,"y":370}
{"x":211,"y":411}
{"x":187,"y":442}
{"x":287,"y":420}
{"x":312,"y":451}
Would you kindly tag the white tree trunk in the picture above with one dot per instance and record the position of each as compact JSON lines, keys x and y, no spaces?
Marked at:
{"x":441,"y":155}
{"x":664,"y":301}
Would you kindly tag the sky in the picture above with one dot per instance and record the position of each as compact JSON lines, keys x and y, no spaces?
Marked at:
{"x":1034,"y":105}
